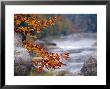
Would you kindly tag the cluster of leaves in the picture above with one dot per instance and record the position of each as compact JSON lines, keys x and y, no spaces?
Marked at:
{"x":27,"y":24}
{"x":48,"y":60}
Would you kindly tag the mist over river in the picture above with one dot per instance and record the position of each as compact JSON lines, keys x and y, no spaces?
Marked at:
{"x":80,"y":46}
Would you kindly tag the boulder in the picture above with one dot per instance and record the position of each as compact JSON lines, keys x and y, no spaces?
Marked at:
{"x":22,"y":62}
{"x":90,"y":67}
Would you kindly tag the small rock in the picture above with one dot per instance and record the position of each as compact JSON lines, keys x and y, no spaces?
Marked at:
{"x":17,"y":40}
{"x":62,"y":73}
{"x":22,"y":70}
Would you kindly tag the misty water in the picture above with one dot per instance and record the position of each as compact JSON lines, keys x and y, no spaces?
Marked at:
{"x":80,"y":46}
